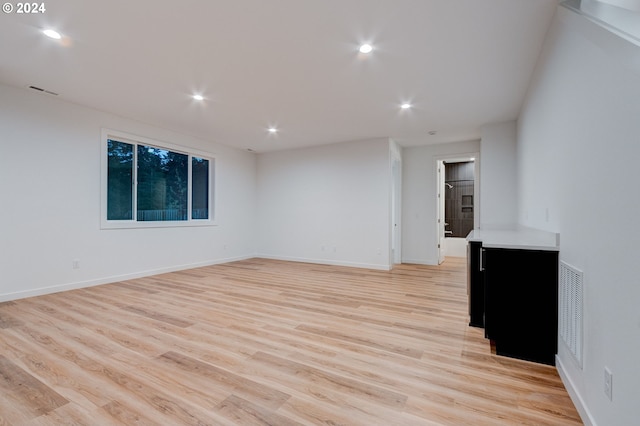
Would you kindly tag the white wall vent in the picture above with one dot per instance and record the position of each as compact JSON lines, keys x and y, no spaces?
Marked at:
{"x":570,"y":309}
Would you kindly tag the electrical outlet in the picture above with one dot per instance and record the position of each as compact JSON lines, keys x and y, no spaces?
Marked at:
{"x":608,"y":383}
{"x":75,"y":264}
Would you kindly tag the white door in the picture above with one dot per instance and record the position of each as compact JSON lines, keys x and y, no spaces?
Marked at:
{"x":396,"y":203}
{"x":441,"y":223}
{"x":396,"y":234}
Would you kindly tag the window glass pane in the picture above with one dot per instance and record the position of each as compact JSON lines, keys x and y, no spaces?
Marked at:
{"x":199,"y":188}
{"x":119,"y":181}
{"x":162,"y":184}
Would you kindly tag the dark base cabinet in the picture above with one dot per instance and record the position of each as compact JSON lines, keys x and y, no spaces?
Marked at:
{"x":521,"y":302}
{"x":475,"y":284}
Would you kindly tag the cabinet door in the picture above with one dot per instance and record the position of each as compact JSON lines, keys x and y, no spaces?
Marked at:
{"x":521,"y":303}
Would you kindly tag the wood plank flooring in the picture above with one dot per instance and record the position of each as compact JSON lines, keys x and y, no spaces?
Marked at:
{"x":264,"y":342}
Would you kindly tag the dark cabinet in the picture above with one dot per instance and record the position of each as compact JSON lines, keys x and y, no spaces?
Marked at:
{"x":521,"y":302}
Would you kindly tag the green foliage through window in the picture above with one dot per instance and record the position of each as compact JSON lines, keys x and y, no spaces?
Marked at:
{"x":200,"y":188}
{"x":160,"y":185}
{"x":119,"y":181}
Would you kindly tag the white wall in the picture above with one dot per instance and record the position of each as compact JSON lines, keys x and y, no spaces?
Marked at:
{"x":579,"y":153}
{"x":498,"y":187}
{"x":455,"y":247}
{"x":50,"y":209}
{"x":419,"y":203}
{"x":327,"y":204}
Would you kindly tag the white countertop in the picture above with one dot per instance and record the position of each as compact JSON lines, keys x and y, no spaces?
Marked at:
{"x":523,"y":239}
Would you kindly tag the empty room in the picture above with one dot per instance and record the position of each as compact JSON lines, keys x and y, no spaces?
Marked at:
{"x":288,"y":212}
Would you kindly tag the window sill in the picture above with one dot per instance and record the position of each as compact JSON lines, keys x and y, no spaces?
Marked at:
{"x":126,"y":224}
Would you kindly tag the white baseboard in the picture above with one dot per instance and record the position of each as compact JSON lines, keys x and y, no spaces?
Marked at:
{"x":582,"y":408}
{"x":428,"y":262}
{"x":112,"y":279}
{"x":327,"y":262}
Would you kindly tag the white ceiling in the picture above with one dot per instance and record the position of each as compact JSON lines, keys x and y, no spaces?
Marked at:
{"x":293,"y":64}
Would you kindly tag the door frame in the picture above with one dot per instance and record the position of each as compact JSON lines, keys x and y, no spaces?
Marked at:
{"x":396,"y":207}
{"x":439,"y":161}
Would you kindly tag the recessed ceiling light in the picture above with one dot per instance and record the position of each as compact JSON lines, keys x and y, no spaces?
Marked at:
{"x":366,"y":48}
{"x":52,"y":34}
{"x":405,"y":105}
{"x":198,"y":97}
{"x":273,"y":130}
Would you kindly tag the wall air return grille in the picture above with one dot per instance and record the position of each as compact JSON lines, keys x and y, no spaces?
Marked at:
{"x":570,"y":307}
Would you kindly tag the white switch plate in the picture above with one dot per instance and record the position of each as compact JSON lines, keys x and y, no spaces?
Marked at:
{"x":608,"y":383}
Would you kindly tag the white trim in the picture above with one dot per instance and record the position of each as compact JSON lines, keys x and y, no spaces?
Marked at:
{"x":133,"y":138}
{"x":326,"y":262}
{"x":113,"y":279}
{"x":624,"y":22}
{"x":107,"y":134}
{"x":577,"y":400}
{"x":465,"y":156}
{"x":395,"y":203}
{"x":633,"y":5}
{"x":428,"y":262}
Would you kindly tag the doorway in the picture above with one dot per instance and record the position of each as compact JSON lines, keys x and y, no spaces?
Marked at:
{"x":458,"y":198}
{"x":458,"y":210}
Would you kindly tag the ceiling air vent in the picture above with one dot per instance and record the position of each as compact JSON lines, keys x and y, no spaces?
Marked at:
{"x":42,"y":90}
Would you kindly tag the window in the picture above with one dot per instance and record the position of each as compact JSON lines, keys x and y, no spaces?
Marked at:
{"x":199,"y":188}
{"x":120,"y":181}
{"x":152,"y":184}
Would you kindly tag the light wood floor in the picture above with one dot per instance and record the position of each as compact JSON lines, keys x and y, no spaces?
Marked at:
{"x":270,"y":343}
